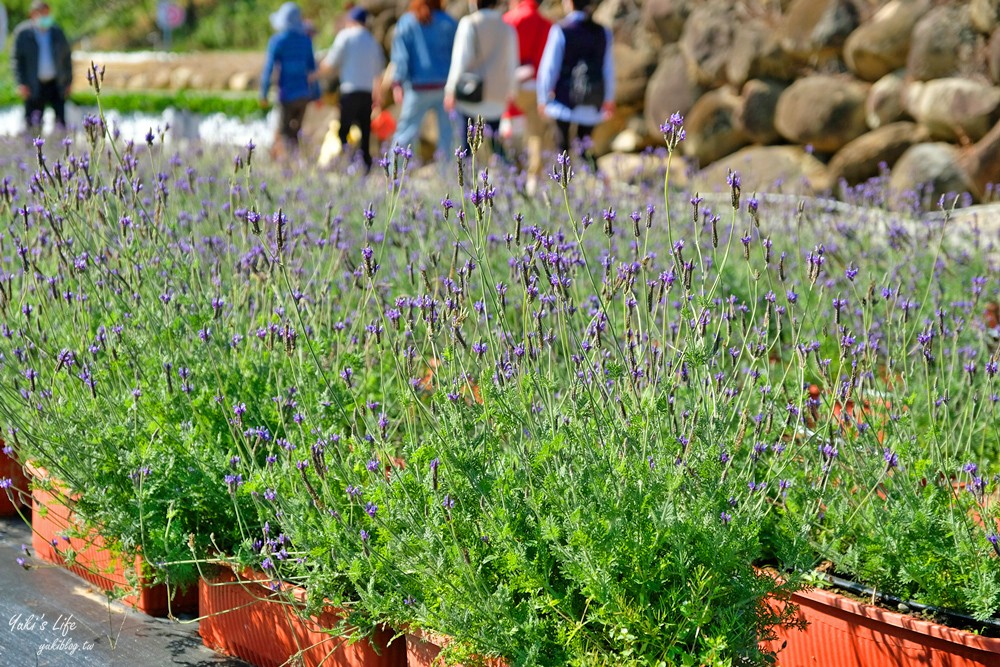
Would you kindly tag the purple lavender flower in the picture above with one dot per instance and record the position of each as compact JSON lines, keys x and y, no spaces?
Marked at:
{"x":234,"y":482}
{"x":673,"y":131}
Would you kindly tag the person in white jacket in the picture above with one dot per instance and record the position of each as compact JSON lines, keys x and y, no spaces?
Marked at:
{"x":486,"y":46}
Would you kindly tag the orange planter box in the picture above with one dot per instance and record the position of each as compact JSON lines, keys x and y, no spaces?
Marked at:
{"x":52,"y":517}
{"x":244,"y":618}
{"x":846,"y":633}
{"x":423,"y":649}
{"x":12,"y":470}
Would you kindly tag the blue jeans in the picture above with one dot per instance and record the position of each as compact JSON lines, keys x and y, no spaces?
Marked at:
{"x":416,"y":104}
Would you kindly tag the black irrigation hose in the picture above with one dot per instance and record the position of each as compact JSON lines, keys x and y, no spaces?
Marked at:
{"x":953,"y":617}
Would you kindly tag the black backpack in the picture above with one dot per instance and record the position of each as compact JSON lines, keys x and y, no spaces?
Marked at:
{"x":581,"y":76}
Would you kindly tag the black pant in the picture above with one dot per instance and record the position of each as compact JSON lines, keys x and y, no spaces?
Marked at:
{"x":356,"y":109}
{"x":564,"y":140}
{"x":49,"y":94}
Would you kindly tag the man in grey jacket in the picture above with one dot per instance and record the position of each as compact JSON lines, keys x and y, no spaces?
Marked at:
{"x":42,"y":64}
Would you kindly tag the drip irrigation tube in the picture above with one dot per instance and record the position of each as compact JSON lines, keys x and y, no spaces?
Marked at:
{"x":955,"y":618}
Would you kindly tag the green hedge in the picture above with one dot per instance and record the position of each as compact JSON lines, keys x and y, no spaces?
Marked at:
{"x":236,"y":105}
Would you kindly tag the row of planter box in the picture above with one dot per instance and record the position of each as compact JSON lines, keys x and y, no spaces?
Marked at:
{"x":242,"y":616}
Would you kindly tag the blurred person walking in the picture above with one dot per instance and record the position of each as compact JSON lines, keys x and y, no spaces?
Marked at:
{"x":576,"y":78}
{"x":43,"y":66}
{"x":486,"y":49}
{"x":532,"y":32}
{"x":290,"y":49}
{"x":421,"y":58}
{"x":3,"y":27}
{"x":359,"y":60}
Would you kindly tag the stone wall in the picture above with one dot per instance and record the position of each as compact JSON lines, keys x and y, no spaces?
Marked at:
{"x":842,"y":89}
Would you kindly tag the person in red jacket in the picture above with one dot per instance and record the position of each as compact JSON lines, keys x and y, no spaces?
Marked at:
{"x":532,"y":31}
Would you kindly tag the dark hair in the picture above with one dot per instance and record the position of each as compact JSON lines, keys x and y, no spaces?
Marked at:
{"x":486,"y":4}
{"x":423,"y":9}
{"x":587,"y":6}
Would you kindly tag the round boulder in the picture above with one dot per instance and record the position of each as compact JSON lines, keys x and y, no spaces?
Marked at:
{"x":634,"y":138}
{"x":860,"y":159}
{"x":817,"y":29}
{"x":756,"y":113}
{"x":707,"y":42}
{"x":993,"y":55}
{"x":713,"y":127}
{"x":884,"y":104}
{"x":984,"y":14}
{"x":943,"y":40}
{"x":633,"y":66}
{"x":982,"y":162}
{"x":606,"y":132}
{"x":929,"y":171}
{"x":771,"y":169}
{"x":824,"y":111}
{"x":625,"y":22}
{"x":670,"y":89}
{"x":648,"y":169}
{"x":882,"y":43}
{"x":953,"y":109}
{"x":138,"y":81}
{"x":665,"y":19}
{"x":161,"y":78}
{"x":180,"y":78}
{"x":757,"y":54}
{"x":242,"y":82}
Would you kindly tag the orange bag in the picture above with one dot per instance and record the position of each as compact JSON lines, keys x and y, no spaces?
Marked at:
{"x":383,"y":125}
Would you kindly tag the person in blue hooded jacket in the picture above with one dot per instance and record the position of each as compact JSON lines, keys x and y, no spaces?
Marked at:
{"x":290,"y":50}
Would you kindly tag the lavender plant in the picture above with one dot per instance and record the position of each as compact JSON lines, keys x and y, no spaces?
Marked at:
{"x":561,"y":431}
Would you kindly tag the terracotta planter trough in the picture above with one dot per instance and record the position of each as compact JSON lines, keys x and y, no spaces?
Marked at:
{"x":17,"y":499}
{"x":52,"y":517}
{"x":423,"y":649}
{"x":846,"y":633}
{"x":243,"y":617}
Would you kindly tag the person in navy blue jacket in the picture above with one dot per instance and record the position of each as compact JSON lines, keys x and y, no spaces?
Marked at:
{"x":576,"y":78}
{"x":290,"y":50}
